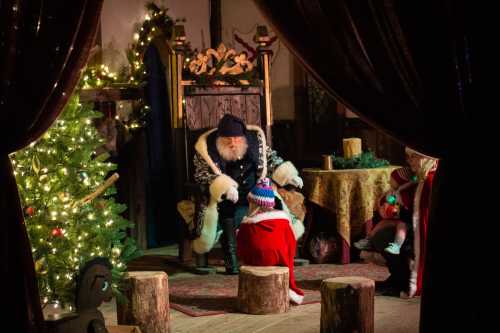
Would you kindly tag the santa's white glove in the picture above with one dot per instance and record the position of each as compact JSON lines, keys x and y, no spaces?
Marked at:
{"x":296,"y":181}
{"x":232,"y":194}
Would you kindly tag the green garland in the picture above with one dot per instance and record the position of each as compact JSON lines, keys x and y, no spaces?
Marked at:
{"x":97,"y":77}
{"x":156,"y":22}
{"x":100,"y":77}
{"x":366,"y":160}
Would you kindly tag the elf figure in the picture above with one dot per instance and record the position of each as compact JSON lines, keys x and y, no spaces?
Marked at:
{"x":267,"y":236}
{"x":401,"y":222}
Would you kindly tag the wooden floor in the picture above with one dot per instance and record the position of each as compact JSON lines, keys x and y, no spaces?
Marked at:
{"x":299,"y":319}
{"x":392,"y":315}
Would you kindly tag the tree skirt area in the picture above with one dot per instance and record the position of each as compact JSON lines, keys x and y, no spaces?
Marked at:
{"x":213,"y":294}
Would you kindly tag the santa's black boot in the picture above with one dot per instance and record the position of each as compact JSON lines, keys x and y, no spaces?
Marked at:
{"x":228,"y":242}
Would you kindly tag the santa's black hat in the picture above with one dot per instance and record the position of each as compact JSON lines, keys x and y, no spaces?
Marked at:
{"x":231,"y":125}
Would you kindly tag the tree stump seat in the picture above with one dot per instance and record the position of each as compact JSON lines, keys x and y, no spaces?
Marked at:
{"x":263,"y":289}
{"x":347,"y":305}
{"x":148,"y":302}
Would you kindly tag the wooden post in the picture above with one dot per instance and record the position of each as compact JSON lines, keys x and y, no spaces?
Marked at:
{"x":347,"y":305}
{"x":264,"y":42}
{"x":263,"y":290}
{"x":148,"y":302}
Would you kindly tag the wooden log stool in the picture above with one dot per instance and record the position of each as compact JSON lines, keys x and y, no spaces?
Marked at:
{"x":347,"y":305}
{"x":263,"y":289}
{"x":148,"y":302}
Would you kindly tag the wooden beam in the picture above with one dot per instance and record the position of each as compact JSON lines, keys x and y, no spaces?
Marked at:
{"x":215,"y":23}
{"x":110,"y":94}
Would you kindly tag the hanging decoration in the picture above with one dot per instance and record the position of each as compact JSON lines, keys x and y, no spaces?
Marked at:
{"x":30,"y":211}
{"x":57,"y":232}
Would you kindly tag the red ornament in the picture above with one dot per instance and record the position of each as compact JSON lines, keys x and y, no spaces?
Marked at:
{"x":392,"y":211}
{"x":57,"y":232}
{"x":30,"y":211}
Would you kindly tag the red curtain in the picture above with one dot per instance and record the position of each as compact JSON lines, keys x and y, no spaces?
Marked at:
{"x":43,"y":47}
{"x":406,"y":68}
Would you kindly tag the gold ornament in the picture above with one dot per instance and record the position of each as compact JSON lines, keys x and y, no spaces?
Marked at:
{"x":41,"y":266}
{"x":35,"y":164}
{"x":63,"y":196}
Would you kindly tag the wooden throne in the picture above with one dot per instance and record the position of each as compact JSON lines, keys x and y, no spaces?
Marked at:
{"x":201,"y":93}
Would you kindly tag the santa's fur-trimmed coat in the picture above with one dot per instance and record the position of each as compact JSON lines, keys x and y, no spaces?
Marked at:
{"x":210,"y":172}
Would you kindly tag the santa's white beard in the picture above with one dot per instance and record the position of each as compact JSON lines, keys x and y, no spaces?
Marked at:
{"x":229,"y":153}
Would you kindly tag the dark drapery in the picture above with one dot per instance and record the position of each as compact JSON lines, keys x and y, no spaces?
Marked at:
{"x":43,"y":47}
{"x":159,"y":169}
{"x":406,"y":68}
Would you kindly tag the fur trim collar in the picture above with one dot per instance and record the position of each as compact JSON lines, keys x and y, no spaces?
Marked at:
{"x":266,"y":216}
{"x":202,"y":149}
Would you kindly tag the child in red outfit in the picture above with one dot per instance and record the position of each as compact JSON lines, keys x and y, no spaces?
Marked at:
{"x":265,"y":237}
{"x":390,"y":206}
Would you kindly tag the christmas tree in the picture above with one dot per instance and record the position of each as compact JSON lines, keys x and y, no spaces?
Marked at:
{"x":70,"y":213}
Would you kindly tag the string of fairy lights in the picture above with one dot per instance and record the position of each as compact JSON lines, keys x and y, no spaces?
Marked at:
{"x":156,"y":23}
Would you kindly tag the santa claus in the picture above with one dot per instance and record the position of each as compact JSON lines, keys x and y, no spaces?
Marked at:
{"x":230,"y":160}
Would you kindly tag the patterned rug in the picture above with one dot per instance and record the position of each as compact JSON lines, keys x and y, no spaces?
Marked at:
{"x":207,"y":295}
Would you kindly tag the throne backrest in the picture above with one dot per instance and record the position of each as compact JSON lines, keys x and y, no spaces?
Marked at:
{"x":205,"y":106}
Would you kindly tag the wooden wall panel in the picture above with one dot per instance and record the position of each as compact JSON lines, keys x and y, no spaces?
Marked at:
{"x":205,"y":106}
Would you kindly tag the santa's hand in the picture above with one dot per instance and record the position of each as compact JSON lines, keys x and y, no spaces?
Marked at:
{"x":296,"y":181}
{"x":232,"y":194}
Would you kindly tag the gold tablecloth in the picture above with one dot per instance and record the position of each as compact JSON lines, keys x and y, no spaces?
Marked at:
{"x":349,"y":194}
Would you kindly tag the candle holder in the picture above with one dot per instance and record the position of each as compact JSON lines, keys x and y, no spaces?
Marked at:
{"x":327,"y":162}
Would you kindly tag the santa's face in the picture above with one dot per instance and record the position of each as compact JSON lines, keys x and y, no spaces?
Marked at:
{"x":232,"y":148}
